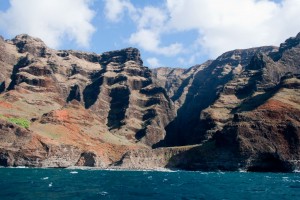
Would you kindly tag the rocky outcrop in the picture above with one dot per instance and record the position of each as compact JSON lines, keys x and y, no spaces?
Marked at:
{"x":253,"y":123}
{"x":77,"y":99}
{"x":20,"y":147}
{"x":149,"y":158}
{"x":264,"y":139}
{"x":71,"y":108}
{"x":115,"y":86}
{"x":201,"y":89}
{"x":252,"y":87}
{"x":169,"y":78}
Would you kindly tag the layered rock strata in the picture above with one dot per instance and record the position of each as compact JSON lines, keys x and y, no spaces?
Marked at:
{"x":72,"y":108}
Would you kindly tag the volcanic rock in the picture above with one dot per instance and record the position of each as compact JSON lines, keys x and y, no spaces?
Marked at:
{"x":72,"y":108}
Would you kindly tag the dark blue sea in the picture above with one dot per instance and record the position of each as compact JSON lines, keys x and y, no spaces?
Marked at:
{"x":31,"y":183}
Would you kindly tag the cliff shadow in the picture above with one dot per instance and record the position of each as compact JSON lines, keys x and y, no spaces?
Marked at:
{"x":23,"y":62}
{"x":92,"y":91}
{"x":147,"y":118}
{"x":2,"y":87}
{"x":253,"y":102}
{"x":74,"y":94}
{"x":204,"y":91}
{"x":118,"y":105}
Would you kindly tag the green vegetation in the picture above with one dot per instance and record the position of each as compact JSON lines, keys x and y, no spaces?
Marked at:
{"x":18,"y":121}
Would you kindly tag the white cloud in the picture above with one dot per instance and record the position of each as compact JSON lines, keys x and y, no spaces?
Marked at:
{"x":153,"y":62}
{"x":149,"y":40}
{"x":151,"y":18}
{"x":221,"y":25}
{"x":50,"y":20}
{"x":150,"y":23}
{"x":114,"y":9}
{"x":225,"y":25}
{"x":150,"y":27}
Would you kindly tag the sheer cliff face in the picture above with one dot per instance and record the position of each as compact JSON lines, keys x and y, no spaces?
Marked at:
{"x":66,"y":108}
{"x":82,"y":99}
{"x":253,"y":121}
{"x":199,"y":87}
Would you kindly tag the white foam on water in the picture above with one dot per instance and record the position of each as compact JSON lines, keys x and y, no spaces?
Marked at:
{"x":103,"y":193}
{"x":204,"y":173}
{"x":73,"y":172}
{"x":45,"y":178}
{"x":286,"y":179}
{"x":50,"y":184}
{"x":130,"y":170}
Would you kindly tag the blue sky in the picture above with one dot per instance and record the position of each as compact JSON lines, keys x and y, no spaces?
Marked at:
{"x":175,"y":33}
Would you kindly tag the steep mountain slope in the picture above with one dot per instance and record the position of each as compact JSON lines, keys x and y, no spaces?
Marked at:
{"x":71,"y":108}
{"x":98,"y":103}
{"x":177,"y":81}
{"x":254,"y":123}
{"x":200,"y":89}
{"x":265,"y":138}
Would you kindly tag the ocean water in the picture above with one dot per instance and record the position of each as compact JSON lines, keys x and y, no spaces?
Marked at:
{"x":30,"y":183}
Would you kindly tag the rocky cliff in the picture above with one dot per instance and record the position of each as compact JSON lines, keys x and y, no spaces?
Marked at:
{"x":88,"y":104}
{"x":252,"y":120}
{"x":200,"y":87}
{"x":71,"y":108}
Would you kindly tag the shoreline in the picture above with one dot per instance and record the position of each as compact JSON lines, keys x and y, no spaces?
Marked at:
{"x":140,"y":170}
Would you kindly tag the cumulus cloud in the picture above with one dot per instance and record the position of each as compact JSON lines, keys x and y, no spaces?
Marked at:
{"x":231,"y":24}
{"x":153,"y":62}
{"x":150,"y":25}
{"x":221,"y":25}
{"x":114,"y":9}
{"x":149,"y":40}
{"x":50,"y":20}
{"x":152,"y":18}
